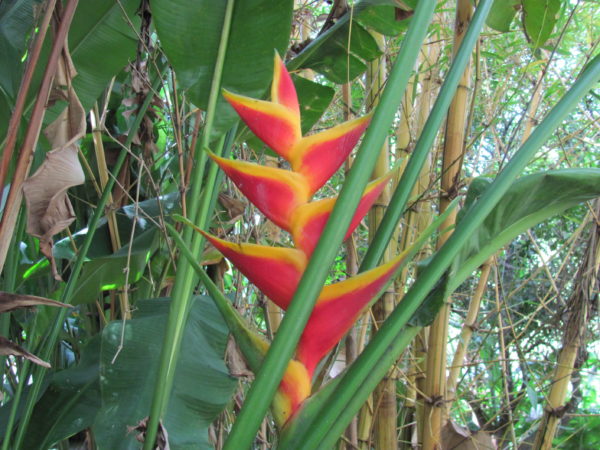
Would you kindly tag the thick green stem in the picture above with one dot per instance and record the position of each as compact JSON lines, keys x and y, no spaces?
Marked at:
{"x":384,"y":348}
{"x":262,"y":390}
{"x":186,"y":278}
{"x":50,"y":344}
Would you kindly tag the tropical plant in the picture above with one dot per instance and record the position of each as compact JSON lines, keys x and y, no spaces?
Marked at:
{"x":142,"y":356}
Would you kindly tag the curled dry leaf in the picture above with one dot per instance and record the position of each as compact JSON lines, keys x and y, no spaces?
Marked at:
{"x":9,"y":348}
{"x":49,"y":210}
{"x":162,"y":438}
{"x":459,"y":438}
{"x":234,"y":207}
{"x":9,"y":301}
{"x":235,"y":361}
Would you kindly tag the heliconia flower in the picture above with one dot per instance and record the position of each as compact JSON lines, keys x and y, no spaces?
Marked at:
{"x":284,"y":196}
{"x":276,"y":192}
{"x":276,"y":271}
{"x":295,"y":387}
{"x":277,"y":124}
{"x":320,"y":155}
{"x":309,"y":220}
{"x":339,"y":305}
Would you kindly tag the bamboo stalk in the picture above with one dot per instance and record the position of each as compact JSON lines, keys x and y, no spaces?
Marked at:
{"x":384,"y":396}
{"x":418,"y":218}
{"x":468,"y":328}
{"x":350,"y":343}
{"x":435,"y":383}
{"x":586,"y":283}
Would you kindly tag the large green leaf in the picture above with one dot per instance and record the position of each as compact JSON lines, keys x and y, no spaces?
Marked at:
{"x":71,"y":402}
{"x":384,"y":17}
{"x":16,"y":22}
{"x":202,"y":383}
{"x":530,"y":200}
{"x":539,"y":19}
{"x":342,"y":52}
{"x":190,"y":33}
{"x":102,"y":39}
{"x":502,"y":14}
{"x":111,"y":272}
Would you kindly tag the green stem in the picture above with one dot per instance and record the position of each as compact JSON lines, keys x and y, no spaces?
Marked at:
{"x":418,"y":157}
{"x":383,"y":347}
{"x":185,"y":278}
{"x":267,"y":379}
{"x":38,"y":374}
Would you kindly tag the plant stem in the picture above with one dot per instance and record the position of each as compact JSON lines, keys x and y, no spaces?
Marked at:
{"x":384,"y":347}
{"x":384,"y":397}
{"x":452,"y":158}
{"x":185,"y":278}
{"x":15,"y":194}
{"x":586,"y":283}
{"x":17,"y":115}
{"x":267,"y":380}
{"x":466,"y":333}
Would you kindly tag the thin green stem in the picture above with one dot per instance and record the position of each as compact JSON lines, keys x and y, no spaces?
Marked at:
{"x":267,"y":379}
{"x":418,"y":157}
{"x":38,"y":374}
{"x":186,"y":278}
{"x":382,"y":347}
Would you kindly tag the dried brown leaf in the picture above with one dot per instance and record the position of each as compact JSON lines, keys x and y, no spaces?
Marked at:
{"x":49,"y":210}
{"x":455,"y":437}
{"x":10,"y":348}
{"x":235,"y":207}
{"x":235,"y":361}
{"x":162,"y":438}
{"x":9,"y":301}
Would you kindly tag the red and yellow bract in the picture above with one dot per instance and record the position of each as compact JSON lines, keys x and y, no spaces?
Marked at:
{"x":284,"y":196}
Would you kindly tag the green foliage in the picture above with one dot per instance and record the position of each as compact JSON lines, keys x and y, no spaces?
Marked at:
{"x":190,"y":33}
{"x":534,"y":271}
{"x":502,"y":14}
{"x":202,"y":383}
{"x":539,"y":19}
{"x":101,"y":28}
{"x":530,"y":200}
{"x":70,"y":403}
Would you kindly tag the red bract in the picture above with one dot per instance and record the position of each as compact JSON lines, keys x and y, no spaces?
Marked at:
{"x":284,"y":197}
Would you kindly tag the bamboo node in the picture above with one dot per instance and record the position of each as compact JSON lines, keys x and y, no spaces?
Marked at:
{"x":557,"y":412}
{"x":437,"y":401}
{"x":472,"y":326}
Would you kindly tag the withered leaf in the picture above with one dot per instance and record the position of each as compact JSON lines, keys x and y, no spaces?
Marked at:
{"x":49,"y":210}
{"x":458,"y":438}
{"x":235,"y":361}
{"x":162,"y":438}
{"x":9,"y":301}
{"x":235,"y":207}
{"x":10,"y":348}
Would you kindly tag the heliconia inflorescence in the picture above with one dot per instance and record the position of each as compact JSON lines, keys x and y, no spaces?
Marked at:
{"x":284,"y":196}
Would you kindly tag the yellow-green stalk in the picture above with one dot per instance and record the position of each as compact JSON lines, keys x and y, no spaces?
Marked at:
{"x":435,"y":383}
